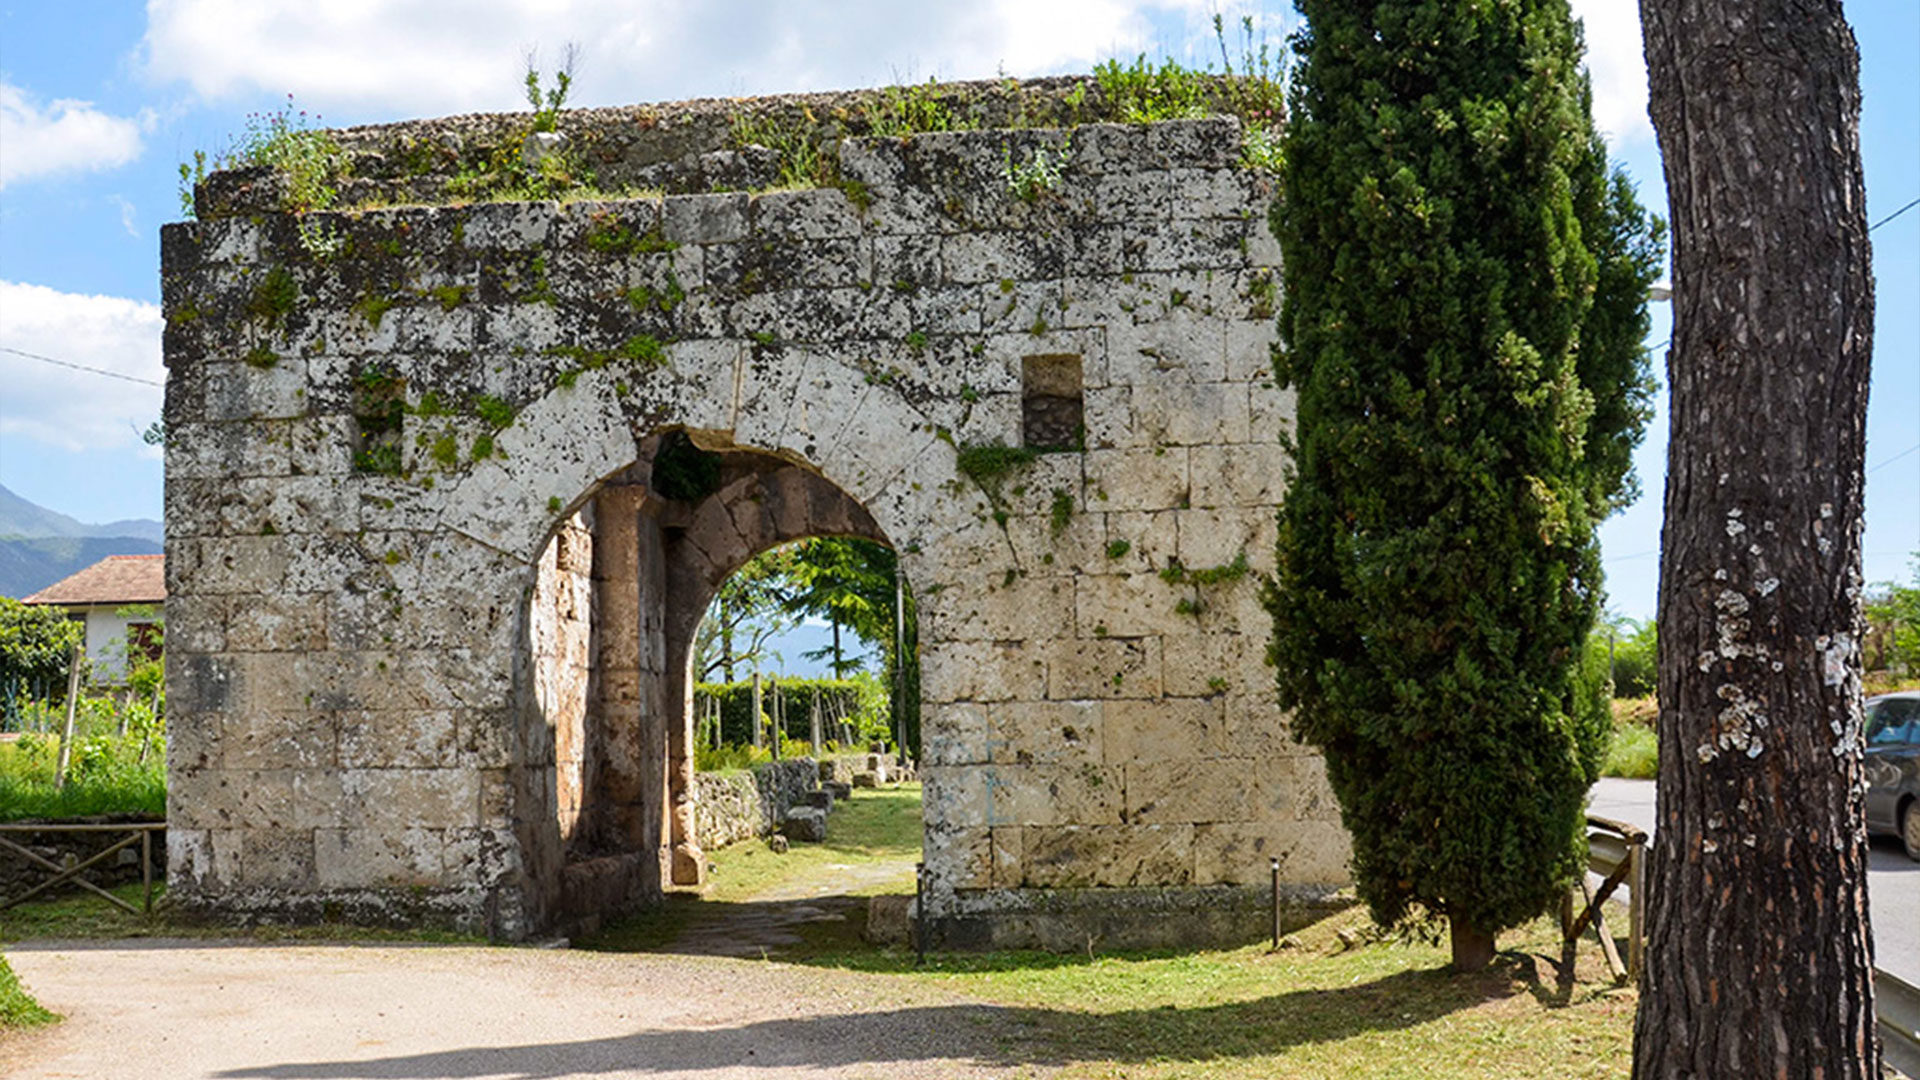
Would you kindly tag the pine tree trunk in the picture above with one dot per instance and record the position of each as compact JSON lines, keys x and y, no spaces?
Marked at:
{"x":1759,"y":960}
{"x":1472,"y":946}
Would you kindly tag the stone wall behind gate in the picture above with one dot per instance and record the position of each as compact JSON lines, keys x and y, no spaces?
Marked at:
{"x":355,"y":665}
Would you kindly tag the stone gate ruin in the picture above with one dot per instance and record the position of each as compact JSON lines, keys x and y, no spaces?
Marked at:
{"x":450,"y":483}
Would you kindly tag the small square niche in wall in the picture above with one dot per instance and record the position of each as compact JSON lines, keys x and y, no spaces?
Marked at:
{"x":1052,"y":416}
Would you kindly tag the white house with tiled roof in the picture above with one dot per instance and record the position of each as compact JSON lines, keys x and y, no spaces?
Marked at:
{"x":119,"y":599}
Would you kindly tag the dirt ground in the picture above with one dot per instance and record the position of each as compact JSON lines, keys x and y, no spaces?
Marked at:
{"x":188,"y":1009}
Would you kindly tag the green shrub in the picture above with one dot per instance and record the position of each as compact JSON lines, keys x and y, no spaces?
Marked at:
{"x":1463,"y":320}
{"x":1894,"y":613}
{"x":36,"y":645}
{"x":107,"y":773}
{"x":863,"y":696}
{"x":1634,"y":753}
{"x":1636,"y":670}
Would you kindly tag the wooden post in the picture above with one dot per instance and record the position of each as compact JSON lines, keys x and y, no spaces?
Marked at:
{"x":153,"y":721}
{"x":146,"y":870}
{"x":757,"y":736}
{"x":900,"y":664}
{"x":1636,"y":911}
{"x":66,"y":733}
{"x":813,"y":725}
{"x":776,"y":717}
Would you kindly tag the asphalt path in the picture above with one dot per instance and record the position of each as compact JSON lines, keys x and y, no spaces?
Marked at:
{"x":1893,"y":880}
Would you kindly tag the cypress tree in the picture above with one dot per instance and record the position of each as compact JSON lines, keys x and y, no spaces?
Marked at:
{"x":1464,"y":312}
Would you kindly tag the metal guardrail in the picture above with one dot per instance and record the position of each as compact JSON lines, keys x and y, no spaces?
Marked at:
{"x":1898,"y":1003}
{"x":140,"y":832}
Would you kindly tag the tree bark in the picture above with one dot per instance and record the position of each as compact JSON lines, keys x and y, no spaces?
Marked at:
{"x":1759,"y":958}
{"x":1472,"y":947}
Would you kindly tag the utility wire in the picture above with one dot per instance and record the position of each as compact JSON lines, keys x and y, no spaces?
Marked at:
{"x":1895,"y":214}
{"x":1894,"y":458}
{"x":79,"y":367}
{"x":1915,"y":202}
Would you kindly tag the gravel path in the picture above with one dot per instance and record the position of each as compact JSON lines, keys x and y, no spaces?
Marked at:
{"x":177,"y":1009}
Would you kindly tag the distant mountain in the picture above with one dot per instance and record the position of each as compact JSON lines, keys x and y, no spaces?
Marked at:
{"x":29,"y":565}
{"x":21,"y":518}
{"x":39,"y":546}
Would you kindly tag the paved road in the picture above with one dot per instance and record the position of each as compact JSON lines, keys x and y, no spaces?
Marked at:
{"x":1893,"y":880}
{"x":181,"y":1010}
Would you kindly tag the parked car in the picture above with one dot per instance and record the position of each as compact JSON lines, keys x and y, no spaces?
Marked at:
{"x":1893,"y":767}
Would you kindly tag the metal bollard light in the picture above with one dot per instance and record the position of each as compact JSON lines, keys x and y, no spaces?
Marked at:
{"x":1275,"y":866}
{"x":919,"y":914}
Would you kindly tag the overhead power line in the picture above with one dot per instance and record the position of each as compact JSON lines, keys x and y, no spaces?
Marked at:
{"x":1894,"y":458}
{"x":79,"y":367}
{"x":1895,"y":214}
{"x":1910,"y":205}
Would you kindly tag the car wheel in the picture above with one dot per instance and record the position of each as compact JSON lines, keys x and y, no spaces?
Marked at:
{"x":1910,"y":829}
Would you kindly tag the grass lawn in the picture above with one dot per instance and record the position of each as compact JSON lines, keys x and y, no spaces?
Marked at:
{"x":1321,"y":1008}
{"x":17,"y":1007}
{"x":876,"y":826}
{"x":108,"y":777}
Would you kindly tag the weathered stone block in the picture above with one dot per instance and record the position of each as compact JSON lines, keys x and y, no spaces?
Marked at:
{"x":1057,"y":794}
{"x":1124,"y":605}
{"x":1079,"y":856}
{"x":807,"y":824}
{"x":705,"y":219}
{"x":1120,"y":480}
{"x":1184,"y":728}
{"x":1045,"y":732}
{"x":1189,"y":790}
{"x":1103,"y":668}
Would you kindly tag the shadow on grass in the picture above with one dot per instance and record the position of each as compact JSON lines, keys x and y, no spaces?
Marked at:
{"x":980,"y":1035}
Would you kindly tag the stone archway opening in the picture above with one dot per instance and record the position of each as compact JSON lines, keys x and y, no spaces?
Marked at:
{"x":611,"y":621}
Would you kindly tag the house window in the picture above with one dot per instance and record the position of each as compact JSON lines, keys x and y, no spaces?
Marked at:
{"x":1052,"y":414}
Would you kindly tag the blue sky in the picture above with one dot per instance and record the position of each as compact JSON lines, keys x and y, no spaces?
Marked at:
{"x":99,"y":102}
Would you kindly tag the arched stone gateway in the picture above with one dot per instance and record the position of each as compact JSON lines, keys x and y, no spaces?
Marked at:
{"x":431,"y":592}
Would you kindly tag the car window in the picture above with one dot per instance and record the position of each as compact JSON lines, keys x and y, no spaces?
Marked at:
{"x":1894,"y":722}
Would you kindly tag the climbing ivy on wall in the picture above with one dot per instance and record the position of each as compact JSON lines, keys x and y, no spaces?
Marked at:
{"x":1465,"y":302}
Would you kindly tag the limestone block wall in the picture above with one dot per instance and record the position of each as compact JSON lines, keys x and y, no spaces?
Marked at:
{"x":561,"y":626}
{"x":375,"y":438}
{"x":744,"y":803}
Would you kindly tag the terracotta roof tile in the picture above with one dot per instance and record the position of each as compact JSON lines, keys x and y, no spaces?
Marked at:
{"x":116,"y":579}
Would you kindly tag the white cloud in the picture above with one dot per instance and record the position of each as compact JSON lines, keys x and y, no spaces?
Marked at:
{"x":128,"y":219}
{"x":78,"y":410}
{"x":65,"y":136}
{"x":425,"y":57}
{"x":1618,"y":66}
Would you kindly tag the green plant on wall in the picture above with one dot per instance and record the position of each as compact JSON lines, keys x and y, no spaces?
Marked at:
{"x":548,"y":101}
{"x":901,"y":111}
{"x":1037,"y":176}
{"x":309,"y":159}
{"x":989,"y":465}
{"x":379,"y":411}
{"x":803,"y":163}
